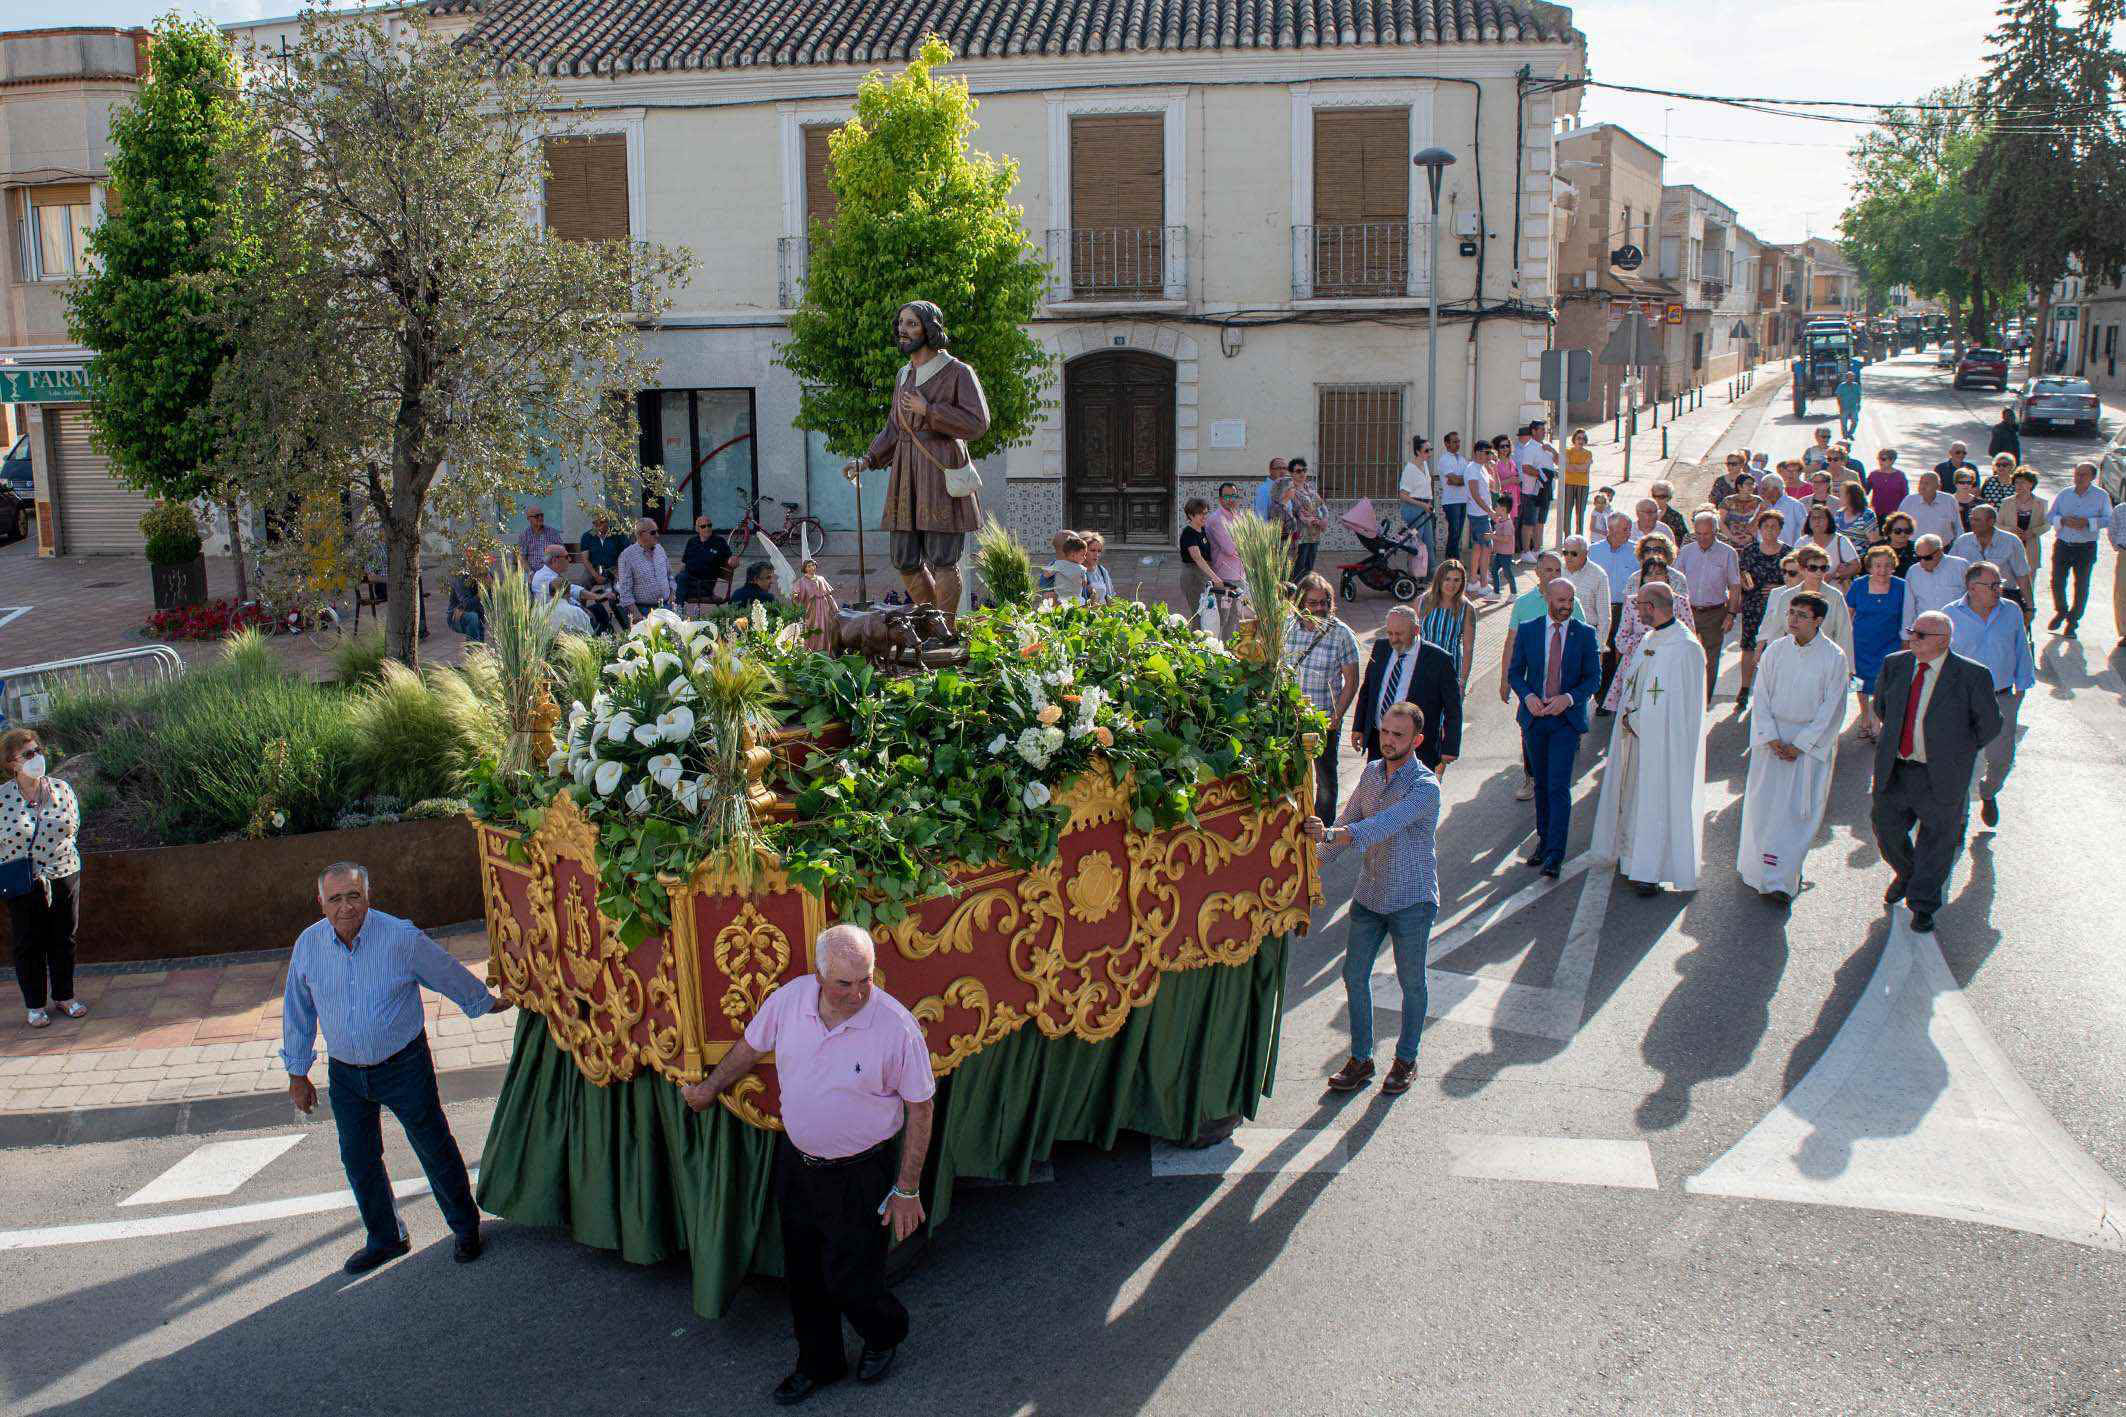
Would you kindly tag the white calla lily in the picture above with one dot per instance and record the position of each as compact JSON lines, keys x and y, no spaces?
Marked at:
{"x":684,"y":692}
{"x":664,"y":661}
{"x":676,"y":723}
{"x":688,"y":792}
{"x":665,"y":769}
{"x":638,"y":799}
{"x":607,"y":777}
{"x":1036,"y":794}
{"x":648,"y":735}
{"x":619,"y":726}
{"x":555,"y":761}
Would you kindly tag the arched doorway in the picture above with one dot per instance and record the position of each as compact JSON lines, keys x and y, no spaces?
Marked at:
{"x":1118,"y":445}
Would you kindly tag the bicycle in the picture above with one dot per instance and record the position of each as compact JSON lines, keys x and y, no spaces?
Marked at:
{"x":787,"y":535}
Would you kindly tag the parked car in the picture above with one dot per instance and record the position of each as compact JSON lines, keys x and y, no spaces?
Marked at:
{"x":2055,"y":399}
{"x":18,"y":496}
{"x":2111,"y":472}
{"x":1982,"y":366}
{"x":14,"y":515}
{"x":1945,"y":357}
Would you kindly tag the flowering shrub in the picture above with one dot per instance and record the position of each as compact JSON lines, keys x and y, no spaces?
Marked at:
{"x":216,"y":620}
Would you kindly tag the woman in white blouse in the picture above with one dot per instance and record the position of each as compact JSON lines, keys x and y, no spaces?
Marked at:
{"x":1822,"y":532}
{"x":39,"y":820}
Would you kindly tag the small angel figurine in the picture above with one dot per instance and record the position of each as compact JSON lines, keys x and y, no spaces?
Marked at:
{"x":817,"y":597}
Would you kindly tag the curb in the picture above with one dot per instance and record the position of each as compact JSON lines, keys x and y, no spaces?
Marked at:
{"x":201,"y":1115}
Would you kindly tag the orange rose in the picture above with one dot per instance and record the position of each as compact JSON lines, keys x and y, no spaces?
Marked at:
{"x":1029,"y":651}
{"x":1070,"y":698}
{"x":1049,"y":715}
{"x":1105,"y":738}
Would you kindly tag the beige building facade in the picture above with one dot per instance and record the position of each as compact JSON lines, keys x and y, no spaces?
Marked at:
{"x":1616,"y":178}
{"x":1237,"y":237}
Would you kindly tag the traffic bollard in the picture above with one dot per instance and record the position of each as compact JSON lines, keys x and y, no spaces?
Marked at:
{"x":1664,"y":442}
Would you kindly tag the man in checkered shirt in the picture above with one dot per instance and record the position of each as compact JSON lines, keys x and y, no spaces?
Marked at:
{"x":1321,"y":650}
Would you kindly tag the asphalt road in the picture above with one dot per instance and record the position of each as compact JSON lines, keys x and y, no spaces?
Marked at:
{"x":1555,"y":1219}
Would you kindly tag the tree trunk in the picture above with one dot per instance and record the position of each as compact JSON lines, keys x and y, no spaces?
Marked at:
{"x":236,"y":549}
{"x":2041,"y":332}
{"x":402,"y":537}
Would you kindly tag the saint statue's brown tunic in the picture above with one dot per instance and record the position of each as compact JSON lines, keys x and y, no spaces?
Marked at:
{"x":920,"y":452}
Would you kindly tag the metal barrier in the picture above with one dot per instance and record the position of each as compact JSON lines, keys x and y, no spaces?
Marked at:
{"x":26,"y":691}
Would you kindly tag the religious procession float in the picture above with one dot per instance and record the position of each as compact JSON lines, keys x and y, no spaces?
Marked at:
{"x":1075,"y":832}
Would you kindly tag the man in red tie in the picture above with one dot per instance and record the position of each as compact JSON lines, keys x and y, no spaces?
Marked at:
{"x":1555,"y":667}
{"x":1939,"y":712}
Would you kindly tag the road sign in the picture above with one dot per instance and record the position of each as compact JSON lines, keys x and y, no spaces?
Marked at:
{"x":1741,"y":330}
{"x":1674,"y":315}
{"x":1623,"y":351}
{"x":1627,"y":257}
{"x":1574,"y":368}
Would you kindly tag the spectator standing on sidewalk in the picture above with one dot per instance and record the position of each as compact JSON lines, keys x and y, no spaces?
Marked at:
{"x":1393,"y":819}
{"x":1573,"y":484}
{"x":357,"y":974}
{"x":39,"y":818}
{"x":1414,"y":491}
{"x":1450,"y":469}
{"x":1308,"y":518}
{"x":2007,"y":436}
{"x":2080,"y":515}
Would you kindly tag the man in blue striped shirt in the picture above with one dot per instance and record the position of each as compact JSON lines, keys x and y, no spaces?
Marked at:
{"x":1392,"y":817}
{"x":1992,"y":632}
{"x":358,"y":972}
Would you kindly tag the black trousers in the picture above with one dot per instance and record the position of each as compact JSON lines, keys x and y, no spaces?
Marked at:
{"x":834,"y":1255}
{"x":44,"y":938}
{"x":1909,"y":799}
{"x":1610,"y":657}
{"x":406,"y":1083}
{"x":1327,"y":793}
{"x":2078,"y":558}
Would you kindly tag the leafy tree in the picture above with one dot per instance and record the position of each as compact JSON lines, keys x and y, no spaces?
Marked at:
{"x":142,"y":309}
{"x":921,"y":216}
{"x":2050,"y":171}
{"x":409,"y":340}
{"x":1911,"y":221}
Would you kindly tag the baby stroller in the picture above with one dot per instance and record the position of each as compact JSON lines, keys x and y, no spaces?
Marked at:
{"x":1396,"y":555}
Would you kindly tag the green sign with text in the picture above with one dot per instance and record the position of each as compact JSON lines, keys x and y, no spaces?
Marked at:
{"x":65,"y":383}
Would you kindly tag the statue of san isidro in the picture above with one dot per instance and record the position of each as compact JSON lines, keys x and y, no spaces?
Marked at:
{"x":938,"y":409}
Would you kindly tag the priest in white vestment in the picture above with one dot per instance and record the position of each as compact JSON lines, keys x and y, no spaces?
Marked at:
{"x":1651,"y":820}
{"x":1802,"y":683}
{"x":1814,"y":564}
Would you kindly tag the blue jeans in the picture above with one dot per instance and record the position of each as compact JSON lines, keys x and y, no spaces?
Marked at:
{"x":406,"y":1083}
{"x":1412,"y":928}
{"x":1848,"y":423}
{"x":1457,"y":513}
{"x":1553,"y":746}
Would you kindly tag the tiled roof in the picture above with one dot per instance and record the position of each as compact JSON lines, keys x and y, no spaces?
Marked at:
{"x":622,"y":36}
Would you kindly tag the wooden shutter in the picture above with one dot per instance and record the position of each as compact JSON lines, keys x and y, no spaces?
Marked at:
{"x":1359,"y":432}
{"x":820,"y":202}
{"x":1118,"y":204}
{"x":1362,"y":201}
{"x":586,"y":188}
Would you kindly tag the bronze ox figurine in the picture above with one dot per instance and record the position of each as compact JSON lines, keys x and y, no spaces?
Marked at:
{"x":883,"y":635}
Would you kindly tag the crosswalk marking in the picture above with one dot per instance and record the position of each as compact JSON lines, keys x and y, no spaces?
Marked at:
{"x":1255,"y":1150}
{"x":149,"y":1225}
{"x":213,"y":1170}
{"x":1573,"y":1161}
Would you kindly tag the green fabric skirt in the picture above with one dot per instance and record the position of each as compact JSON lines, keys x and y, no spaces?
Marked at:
{"x":629,"y":1168}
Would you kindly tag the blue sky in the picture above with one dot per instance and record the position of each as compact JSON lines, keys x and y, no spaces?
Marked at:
{"x":1786,"y":178}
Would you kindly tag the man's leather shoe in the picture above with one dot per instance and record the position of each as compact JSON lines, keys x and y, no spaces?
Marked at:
{"x":468,"y":1247}
{"x":1989,"y":811}
{"x":1352,"y":1076}
{"x":1923,"y":921}
{"x":1895,"y":893}
{"x":796,"y":1388}
{"x":1550,"y":869}
{"x":875,"y":1364}
{"x":1646,"y":887}
{"x":1535,"y":860}
{"x":370,"y":1256}
{"x":1400,"y":1076}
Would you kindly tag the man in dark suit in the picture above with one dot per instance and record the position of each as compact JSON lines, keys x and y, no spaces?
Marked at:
{"x":1403,"y":666}
{"x":1938,"y":711}
{"x":1555,"y":669}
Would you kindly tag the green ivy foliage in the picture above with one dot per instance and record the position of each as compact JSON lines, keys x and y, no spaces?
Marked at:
{"x":921,"y":216}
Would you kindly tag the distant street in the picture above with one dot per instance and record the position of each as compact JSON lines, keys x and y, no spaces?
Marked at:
{"x":1668,"y":1154}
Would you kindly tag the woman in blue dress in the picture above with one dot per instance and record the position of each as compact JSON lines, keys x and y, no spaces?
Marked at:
{"x":1882,"y":617}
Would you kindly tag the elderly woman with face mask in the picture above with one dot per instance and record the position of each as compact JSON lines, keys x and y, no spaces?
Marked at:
{"x":40,"y":875}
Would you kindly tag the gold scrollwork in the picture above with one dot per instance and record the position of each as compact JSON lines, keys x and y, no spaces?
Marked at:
{"x":752,"y":953}
{"x":742,"y":1099}
{"x":993,"y":1021}
{"x":1095,"y":888}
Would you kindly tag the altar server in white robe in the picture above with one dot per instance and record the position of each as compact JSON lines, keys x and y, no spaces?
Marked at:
{"x":1651,"y":820}
{"x":1814,"y":564}
{"x":1802,"y":687}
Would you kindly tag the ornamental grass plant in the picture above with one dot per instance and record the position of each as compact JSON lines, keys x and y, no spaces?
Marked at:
{"x":519,"y":638}
{"x":1004,"y":565}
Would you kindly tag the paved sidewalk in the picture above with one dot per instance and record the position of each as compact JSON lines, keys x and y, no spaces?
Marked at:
{"x":189,"y":1032}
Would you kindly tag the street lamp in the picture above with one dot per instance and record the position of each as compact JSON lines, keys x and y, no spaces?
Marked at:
{"x":1435,"y":162}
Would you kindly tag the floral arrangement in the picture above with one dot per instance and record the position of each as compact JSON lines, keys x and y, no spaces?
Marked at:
{"x":216,"y":620}
{"x":963,"y":764}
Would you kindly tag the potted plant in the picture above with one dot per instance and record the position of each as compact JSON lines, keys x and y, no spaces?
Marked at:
{"x":176,"y":566}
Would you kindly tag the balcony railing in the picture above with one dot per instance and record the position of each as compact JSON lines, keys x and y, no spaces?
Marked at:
{"x":790,"y":256}
{"x":1359,"y":260}
{"x":1118,"y":263}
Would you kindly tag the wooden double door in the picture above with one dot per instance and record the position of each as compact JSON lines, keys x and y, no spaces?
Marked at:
{"x":1118,"y":446}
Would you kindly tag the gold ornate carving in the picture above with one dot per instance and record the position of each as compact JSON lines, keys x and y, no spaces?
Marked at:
{"x":1094,"y":797}
{"x":753,"y":953}
{"x":992,"y":1022}
{"x":1095,"y":888}
{"x":742,"y":1099}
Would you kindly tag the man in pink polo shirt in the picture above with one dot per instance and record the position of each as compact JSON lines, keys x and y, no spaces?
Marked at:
{"x":854,"y":1071}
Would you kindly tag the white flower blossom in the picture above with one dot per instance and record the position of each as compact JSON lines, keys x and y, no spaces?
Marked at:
{"x":758,"y":614}
{"x":660,"y":619}
{"x":1035,"y":795}
{"x":607,"y":777}
{"x":617,"y":668}
{"x":676,"y":723}
{"x":578,"y":715}
{"x":684,"y":692}
{"x":664,"y":661}
{"x":649,"y":735}
{"x":280,"y":820}
{"x":664,"y":769}
{"x":556,"y":761}
{"x":638,"y":799}
{"x":689,"y":791}
{"x":1001,"y":742}
{"x":619,"y":726}
{"x":581,"y":768}
{"x":601,"y":704}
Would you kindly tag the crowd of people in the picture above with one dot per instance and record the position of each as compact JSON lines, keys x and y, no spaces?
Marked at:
{"x":1913,"y":600}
